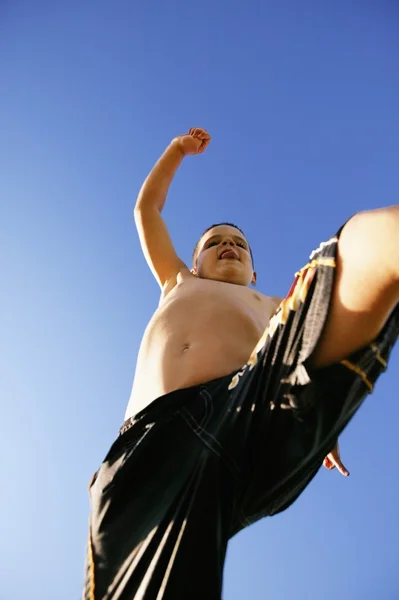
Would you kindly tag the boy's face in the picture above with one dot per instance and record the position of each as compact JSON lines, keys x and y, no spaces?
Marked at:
{"x":223,"y":255}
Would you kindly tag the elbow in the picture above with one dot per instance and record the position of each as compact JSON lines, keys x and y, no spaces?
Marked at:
{"x":141,"y":211}
{"x":139,"y":204}
{"x":137,"y":214}
{"x":138,"y":208}
{"x":143,"y":204}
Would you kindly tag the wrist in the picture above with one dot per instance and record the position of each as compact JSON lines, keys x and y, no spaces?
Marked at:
{"x":176,"y":147}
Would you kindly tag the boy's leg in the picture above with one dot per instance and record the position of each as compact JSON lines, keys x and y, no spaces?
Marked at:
{"x":366,"y":287}
{"x":290,"y":411}
{"x":160,"y":514}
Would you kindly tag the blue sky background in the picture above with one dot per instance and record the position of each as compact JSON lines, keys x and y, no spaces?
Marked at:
{"x":302,"y":102}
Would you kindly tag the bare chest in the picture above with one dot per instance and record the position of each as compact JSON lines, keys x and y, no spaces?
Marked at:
{"x":201,"y":330}
{"x":204,"y":307}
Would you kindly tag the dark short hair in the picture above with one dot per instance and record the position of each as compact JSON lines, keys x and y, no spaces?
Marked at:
{"x":218,"y":225}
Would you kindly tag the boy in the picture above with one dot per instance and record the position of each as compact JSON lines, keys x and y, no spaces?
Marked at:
{"x":237,"y":397}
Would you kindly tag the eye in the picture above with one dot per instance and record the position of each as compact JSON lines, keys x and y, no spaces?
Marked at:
{"x":209,"y":244}
{"x":242,"y":245}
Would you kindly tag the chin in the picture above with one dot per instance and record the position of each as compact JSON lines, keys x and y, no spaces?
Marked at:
{"x":223,"y":275}
{"x":236,"y":279}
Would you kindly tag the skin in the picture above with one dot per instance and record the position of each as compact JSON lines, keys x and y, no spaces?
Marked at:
{"x":214,"y":300}
{"x":207,"y":323}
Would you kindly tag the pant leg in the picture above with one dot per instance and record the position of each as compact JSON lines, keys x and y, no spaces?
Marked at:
{"x":160,"y":513}
{"x":299,"y":412}
{"x":279,"y":417}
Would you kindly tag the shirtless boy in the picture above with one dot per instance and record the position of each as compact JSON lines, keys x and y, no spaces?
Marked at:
{"x":237,"y":397}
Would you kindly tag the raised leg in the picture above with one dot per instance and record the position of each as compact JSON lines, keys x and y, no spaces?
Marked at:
{"x":366,"y":288}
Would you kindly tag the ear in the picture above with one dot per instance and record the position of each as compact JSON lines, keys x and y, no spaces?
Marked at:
{"x":193,"y":271}
{"x":253,"y":280}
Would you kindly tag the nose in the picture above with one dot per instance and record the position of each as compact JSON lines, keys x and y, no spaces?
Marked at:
{"x":228,"y":241}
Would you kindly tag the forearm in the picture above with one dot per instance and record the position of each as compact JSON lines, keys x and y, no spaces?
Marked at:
{"x":155,"y":188}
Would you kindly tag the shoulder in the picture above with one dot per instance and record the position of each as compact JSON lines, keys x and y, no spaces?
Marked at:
{"x":271,"y":301}
{"x":183,"y":275}
{"x":277,"y":300}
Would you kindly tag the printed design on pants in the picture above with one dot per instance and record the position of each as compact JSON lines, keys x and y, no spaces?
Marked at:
{"x":323,"y":245}
{"x":361,"y":372}
{"x":296,"y":296}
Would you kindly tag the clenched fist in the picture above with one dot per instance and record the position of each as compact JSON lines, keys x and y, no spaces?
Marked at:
{"x":193,"y":142}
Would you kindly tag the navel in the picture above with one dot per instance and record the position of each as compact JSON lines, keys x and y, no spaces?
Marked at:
{"x":186,"y":347}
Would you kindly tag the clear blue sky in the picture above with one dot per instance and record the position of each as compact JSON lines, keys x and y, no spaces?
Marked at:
{"x":302,"y":101}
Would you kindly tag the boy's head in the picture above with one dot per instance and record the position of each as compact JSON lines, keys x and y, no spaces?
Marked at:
{"x":223,"y":254}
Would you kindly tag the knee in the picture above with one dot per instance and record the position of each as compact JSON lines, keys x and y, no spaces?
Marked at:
{"x":372,"y":238}
{"x":368,"y":251}
{"x":383,"y":221}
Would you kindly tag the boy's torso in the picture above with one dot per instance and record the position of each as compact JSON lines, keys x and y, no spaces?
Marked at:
{"x":202,"y":330}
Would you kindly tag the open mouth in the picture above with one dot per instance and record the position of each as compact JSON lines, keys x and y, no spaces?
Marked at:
{"x":229,"y":254}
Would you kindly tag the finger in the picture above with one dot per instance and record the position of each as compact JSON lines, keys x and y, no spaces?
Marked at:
{"x":204,"y":144}
{"x":328,"y":464}
{"x":343,"y":470}
{"x":200,"y":133}
{"x":201,"y":148}
{"x":340,"y":466}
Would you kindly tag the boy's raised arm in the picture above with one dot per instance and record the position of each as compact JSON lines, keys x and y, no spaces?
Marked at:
{"x":154,"y":237}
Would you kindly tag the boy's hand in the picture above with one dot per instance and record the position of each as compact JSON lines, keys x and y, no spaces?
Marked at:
{"x":333,"y":460}
{"x":193,"y":142}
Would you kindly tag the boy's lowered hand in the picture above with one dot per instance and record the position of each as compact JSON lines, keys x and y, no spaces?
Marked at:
{"x":333,"y":460}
